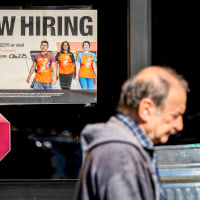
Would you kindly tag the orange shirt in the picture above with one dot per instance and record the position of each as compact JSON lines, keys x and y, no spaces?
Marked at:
{"x":86,"y":69}
{"x":44,"y":72}
{"x":65,"y":64}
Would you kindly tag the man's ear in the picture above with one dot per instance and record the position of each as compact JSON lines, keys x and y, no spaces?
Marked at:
{"x":146,"y":109}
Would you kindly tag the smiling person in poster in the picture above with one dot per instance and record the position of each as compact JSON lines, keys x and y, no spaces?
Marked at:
{"x":86,"y":71}
{"x":43,"y":63}
{"x":65,"y":65}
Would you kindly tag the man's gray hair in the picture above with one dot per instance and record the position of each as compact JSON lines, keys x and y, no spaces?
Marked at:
{"x":157,"y":88}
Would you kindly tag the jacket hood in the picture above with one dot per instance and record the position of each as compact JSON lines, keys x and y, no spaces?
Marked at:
{"x":101,"y":133}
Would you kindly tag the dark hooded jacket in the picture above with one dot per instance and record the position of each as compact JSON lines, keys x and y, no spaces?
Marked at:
{"x":116,"y":166}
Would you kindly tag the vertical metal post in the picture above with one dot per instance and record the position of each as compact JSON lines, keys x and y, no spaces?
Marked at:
{"x":139,"y":38}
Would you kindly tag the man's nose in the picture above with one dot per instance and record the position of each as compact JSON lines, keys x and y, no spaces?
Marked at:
{"x":178,"y":123}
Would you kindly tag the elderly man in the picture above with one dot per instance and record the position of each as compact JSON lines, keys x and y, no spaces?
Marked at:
{"x":120,"y":159}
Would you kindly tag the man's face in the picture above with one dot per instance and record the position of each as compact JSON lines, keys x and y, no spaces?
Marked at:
{"x":168,"y":120}
{"x":43,"y":47}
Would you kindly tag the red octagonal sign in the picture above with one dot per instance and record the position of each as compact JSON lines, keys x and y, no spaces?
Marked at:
{"x":4,"y":137}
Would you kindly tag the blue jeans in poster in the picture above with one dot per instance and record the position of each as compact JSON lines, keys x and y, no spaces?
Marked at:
{"x":40,"y":86}
{"x":86,"y":83}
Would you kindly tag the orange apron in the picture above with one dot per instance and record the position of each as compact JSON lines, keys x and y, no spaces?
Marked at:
{"x":86,"y":69}
{"x":65,"y":64}
{"x":44,"y":73}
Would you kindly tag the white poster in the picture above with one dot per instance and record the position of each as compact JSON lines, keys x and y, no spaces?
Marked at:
{"x":21,"y":33}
